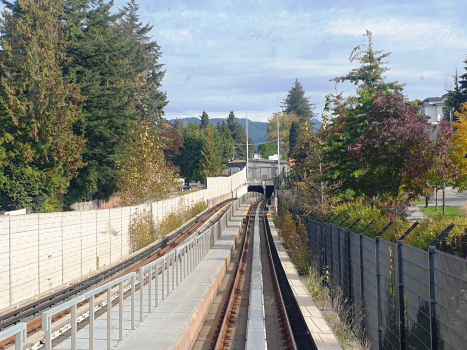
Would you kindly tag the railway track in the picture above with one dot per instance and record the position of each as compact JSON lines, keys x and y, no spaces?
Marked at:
{"x":240,"y":309}
{"x":30,"y":313}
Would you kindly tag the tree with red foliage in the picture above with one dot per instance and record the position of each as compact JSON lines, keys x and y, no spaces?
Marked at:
{"x":396,"y":151}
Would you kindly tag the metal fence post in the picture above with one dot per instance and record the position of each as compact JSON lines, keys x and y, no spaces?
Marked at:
{"x":431,"y":268}
{"x":403,"y":339}
{"x":163,"y":278}
{"x":349,"y":264}
{"x":91,"y":322}
{"x":433,"y":323}
{"x":133,"y":283}
{"x":120,"y":311}
{"x":109,"y":318}
{"x":74,"y":328}
{"x":362,"y":291}
{"x":149,"y":288}
{"x":141,"y":294}
{"x":378,"y":294}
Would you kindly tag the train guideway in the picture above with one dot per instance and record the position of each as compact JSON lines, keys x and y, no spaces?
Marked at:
{"x":176,"y":322}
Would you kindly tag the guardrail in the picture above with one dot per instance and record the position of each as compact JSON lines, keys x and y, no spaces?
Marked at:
{"x":175,"y":266}
{"x":73,"y":303}
{"x":18,"y":331}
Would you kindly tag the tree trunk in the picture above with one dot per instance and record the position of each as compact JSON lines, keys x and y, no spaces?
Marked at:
{"x":444,"y":203}
{"x":426,"y":201}
{"x":436,"y":198}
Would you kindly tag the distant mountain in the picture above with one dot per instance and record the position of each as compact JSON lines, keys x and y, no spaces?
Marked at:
{"x":256,"y":130}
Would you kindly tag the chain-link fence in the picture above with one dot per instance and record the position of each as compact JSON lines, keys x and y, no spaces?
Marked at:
{"x":403,"y":297}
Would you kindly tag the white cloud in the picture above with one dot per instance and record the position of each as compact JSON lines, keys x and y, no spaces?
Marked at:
{"x":176,"y":35}
{"x":313,"y":67}
{"x":412,"y":33}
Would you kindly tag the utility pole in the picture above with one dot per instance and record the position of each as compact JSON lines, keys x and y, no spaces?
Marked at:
{"x":278,"y":164}
{"x":246,"y":114}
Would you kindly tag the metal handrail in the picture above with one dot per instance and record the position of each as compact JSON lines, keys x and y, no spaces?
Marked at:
{"x":183,"y":259}
{"x":18,"y":331}
{"x":47,"y":315}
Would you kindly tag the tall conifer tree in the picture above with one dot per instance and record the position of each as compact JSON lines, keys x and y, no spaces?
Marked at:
{"x":296,"y":103}
{"x":210,"y":161}
{"x":116,"y":65}
{"x":38,"y":105}
{"x":204,"y":120}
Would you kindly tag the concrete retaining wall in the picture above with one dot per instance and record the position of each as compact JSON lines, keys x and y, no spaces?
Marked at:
{"x":42,"y":252}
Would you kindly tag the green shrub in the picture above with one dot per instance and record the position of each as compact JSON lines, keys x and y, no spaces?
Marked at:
{"x":396,"y":230}
{"x":365,"y":213}
{"x":144,"y":231}
{"x":428,"y":230}
{"x":295,"y":240}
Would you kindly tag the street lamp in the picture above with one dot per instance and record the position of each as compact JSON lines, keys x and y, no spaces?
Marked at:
{"x":246,"y":114}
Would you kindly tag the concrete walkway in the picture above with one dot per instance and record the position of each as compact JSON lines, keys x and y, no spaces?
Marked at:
{"x":416,"y":214}
{"x":176,"y":323}
{"x":317,"y":325}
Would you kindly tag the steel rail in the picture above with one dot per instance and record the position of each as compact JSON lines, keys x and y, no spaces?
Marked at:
{"x":241,"y":262}
{"x":276,"y":280}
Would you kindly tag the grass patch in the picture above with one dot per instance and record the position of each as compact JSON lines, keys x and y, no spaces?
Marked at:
{"x":335,"y":310}
{"x":432,"y":213}
{"x":182,"y":193}
{"x":422,"y":202}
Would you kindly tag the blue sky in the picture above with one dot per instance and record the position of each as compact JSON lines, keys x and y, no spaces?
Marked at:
{"x":220,"y":55}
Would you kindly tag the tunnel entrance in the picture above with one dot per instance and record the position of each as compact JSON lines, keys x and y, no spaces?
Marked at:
{"x":258,"y":189}
{"x":269,"y":190}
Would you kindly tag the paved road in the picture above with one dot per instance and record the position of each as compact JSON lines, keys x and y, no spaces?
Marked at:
{"x":453,"y":198}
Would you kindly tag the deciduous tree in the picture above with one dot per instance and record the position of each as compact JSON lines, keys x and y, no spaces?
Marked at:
{"x":143,"y":171}
{"x":394,"y":153}
{"x":349,"y":121}
{"x":459,"y":149}
{"x":285,"y":123}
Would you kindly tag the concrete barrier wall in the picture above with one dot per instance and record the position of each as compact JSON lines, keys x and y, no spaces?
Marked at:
{"x":43,"y":252}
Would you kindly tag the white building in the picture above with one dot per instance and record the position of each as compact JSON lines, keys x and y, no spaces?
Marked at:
{"x":435,"y":108}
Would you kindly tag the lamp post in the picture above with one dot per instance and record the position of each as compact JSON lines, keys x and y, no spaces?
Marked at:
{"x":246,"y":114}
{"x":278,"y":164}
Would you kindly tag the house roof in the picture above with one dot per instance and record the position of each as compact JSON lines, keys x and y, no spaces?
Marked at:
{"x":435,"y":101}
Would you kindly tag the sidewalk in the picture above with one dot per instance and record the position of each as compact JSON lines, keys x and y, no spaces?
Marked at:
{"x":416,"y":214}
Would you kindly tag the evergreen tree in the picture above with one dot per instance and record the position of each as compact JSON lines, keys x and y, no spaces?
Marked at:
{"x":224,"y":142}
{"x":457,"y":96}
{"x":189,"y":158}
{"x":293,"y":136}
{"x":144,"y":54}
{"x":204,"y":120}
{"x":116,"y":65}
{"x":239,"y":137}
{"x":39,"y":106}
{"x":296,"y":103}
{"x":231,"y":121}
{"x":210,"y":161}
